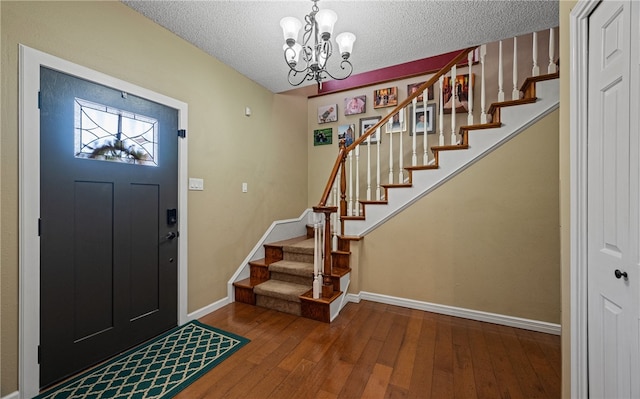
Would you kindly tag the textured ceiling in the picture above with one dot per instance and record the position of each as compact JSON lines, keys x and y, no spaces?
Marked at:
{"x":246,"y":35}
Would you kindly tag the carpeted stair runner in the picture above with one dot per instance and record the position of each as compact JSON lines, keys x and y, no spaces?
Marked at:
{"x":290,"y":278}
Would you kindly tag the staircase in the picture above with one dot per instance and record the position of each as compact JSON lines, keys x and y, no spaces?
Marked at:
{"x":283,"y":278}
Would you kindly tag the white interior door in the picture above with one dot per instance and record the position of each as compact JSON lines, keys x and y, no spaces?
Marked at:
{"x":613,"y":208}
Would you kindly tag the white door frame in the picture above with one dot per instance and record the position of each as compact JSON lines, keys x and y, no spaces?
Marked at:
{"x":579,"y":69}
{"x":29,"y":193}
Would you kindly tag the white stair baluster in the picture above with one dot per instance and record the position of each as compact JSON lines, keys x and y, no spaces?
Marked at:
{"x":425,"y":154}
{"x":454,"y":96}
{"x":536,"y":69}
{"x":350,"y":193}
{"x":414,"y":157}
{"x":390,"y":157}
{"x":357,"y":203}
{"x":470,"y":92}
{"x":400,"y":159}
{"x":368,"y":171}
{"x":378,"y":187}
{"x":441,"y":124}
{"x":500,"y":73}
{"x":483,"y":96}
{"x":515,"y":94}
{"x":552,"y":43}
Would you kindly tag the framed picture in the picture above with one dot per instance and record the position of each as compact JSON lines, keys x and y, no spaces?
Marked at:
{"x":425,"y":118}
{"x":365,"y":124}
{"x":456,"y":92}
{"x":355,"y":105}
{"x":397,"y":122}
{"x":323,"y":136}
{"x":413,"y":87}
{"x":348,"y":133}
{"x":328,"y":113}
{"x":385,"y":97}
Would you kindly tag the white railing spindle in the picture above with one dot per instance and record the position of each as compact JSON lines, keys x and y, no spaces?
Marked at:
{"x":390,"y":157}
{"x":357,"y":203}
{"x":454,"y":94}
{"x":441,"y":124}
{"x":350,"y":193}
{"x":552,"y":43}
{"x":378,"y":187}
{"x":500,"y":74}
{"x":401,"y":159}
{"x":515,"y":94}
{"x":535,"y":71}
{"x":470,"y":92}
{"x":414,"y":156}
{"x":483,"y":94}
{"x":368,"y":170}
{"x":425,"y":154}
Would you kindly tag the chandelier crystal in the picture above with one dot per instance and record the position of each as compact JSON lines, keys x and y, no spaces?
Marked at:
{"x":316,"y":47}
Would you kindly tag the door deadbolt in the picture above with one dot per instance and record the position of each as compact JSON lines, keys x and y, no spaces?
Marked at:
{"x":620,"y":274}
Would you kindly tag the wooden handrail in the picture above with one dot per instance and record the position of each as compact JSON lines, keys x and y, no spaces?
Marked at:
{"x":344,"y":151}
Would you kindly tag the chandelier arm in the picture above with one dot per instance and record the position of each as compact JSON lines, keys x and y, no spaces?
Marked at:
{"x":293,"y":68}
{"x":344,"y":65}
{"x":293,"y":81}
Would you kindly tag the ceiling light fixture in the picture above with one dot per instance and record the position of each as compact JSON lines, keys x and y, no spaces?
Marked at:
{"x":316,"y":47}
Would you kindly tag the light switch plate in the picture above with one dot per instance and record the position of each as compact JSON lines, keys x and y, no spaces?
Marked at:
{"x":196,"y":184}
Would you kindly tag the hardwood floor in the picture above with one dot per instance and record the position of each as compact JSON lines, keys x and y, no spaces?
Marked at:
{"x":374,"y":350}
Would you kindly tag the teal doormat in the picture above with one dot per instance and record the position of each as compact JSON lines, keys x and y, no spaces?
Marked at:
{"x":158,"y":369}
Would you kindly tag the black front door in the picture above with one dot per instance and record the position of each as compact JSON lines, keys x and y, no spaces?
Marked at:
{"x":109,"y":175}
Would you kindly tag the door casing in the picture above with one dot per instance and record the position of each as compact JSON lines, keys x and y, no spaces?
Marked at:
{"x":29,"y":194}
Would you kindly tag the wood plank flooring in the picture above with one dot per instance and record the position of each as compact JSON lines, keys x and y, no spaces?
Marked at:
{"x":374,"y":350}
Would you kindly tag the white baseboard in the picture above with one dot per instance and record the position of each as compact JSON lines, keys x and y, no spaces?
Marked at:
{"x":511,"y":321}
{"x":14,"y":395}
{"x":208,"y":309}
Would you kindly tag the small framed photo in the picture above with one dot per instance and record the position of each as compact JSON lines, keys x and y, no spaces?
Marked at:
{"x":365,"y":124}
{"x":425,"y":118}
{"x":397,"y":122}
{"x":355,"y":105}
{"x":323,"y":136}
{"x":328,"y":113}
{"x":385,"y":97}
{"x":348,"y":133}
{"x":413,"y":87}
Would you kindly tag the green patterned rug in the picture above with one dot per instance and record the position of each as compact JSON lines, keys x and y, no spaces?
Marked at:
{"x":157,"y":369}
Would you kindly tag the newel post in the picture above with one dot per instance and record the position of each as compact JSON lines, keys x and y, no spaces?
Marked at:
{"x":343,"y":187}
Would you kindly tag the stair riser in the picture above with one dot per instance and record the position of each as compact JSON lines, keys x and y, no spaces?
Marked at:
{"x":278,"y":304}
{"x":290,"y":278}
{"x":297,"y":257}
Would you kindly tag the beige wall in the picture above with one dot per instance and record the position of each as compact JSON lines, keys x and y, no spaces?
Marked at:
{"x":565,"y":196}
{"x":267,"y":150}
{"x":486,"y":240}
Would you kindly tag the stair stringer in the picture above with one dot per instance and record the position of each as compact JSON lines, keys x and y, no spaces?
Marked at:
{"x":278,"y":231}
{"x":514,"y":121}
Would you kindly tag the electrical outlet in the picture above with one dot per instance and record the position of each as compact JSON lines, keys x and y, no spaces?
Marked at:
{"x":244,"y":187}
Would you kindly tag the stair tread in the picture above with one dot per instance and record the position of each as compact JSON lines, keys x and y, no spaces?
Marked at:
{"x":281,"y":290}
{"x":289,"y":241}
{"x":300,"y":247}
{"x":450,"y":147}
{"x":292,"y":267}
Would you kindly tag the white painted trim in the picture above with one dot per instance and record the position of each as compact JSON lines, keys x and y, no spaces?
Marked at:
{"x":13,"y":395}
{"x":205,"y":310}
{"x":579,"y":46}
{"x":511,"y":321}
{"x":278,"y":231}
{"x":29,"y":191}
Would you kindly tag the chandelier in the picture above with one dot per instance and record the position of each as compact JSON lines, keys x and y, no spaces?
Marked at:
{"x":316,"y":47}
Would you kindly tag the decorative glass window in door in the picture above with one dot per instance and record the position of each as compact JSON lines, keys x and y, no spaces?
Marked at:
{"x":110,"y":134}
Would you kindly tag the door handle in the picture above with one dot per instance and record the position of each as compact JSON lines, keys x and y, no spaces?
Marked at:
{"x":171,"y":235}
{"x":620,"y":274}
